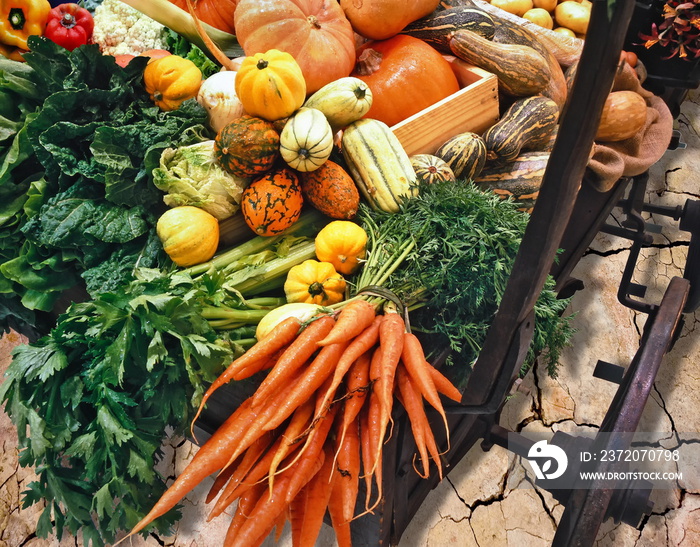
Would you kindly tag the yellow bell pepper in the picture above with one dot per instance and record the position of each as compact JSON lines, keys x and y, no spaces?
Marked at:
{"x":13,"y":53}
{"x":20,"y":19}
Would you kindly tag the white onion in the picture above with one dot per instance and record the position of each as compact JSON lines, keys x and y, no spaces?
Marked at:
{"x":217,"y":95}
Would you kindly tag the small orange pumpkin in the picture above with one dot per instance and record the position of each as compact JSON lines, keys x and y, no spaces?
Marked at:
{"x":382,"y":19}
{"x":405,"y":75}
{"x":315,"y":32}
{"x":171,"y":80}
{"x":272,"y":202}
{"x":314,"y":282}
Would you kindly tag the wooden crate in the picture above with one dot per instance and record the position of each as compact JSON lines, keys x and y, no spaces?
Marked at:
{"x":473,"y":108}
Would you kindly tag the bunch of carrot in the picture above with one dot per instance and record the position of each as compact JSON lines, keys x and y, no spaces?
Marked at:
{"x":315,"y":426}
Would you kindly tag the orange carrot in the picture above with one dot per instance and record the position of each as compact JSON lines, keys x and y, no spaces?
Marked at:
{"x":355,"y":317}
{"x":310,"y":380}
{"x":366,"y":445}
{"x":238,"y":488}
{"x":294,"y":357}
{"x":422,"y":423}
{"x":278,"y":338}
{"x":309,"y":506}
{"x":359,"y":345}
{"x":313,"y":450}
{"x":212,"y":456}
{"x":444,"y":386}
{"x":391,"y":337}
{"x":258,"y":366}
{"x":264,"y":515}
{"x":341,"y":526}
{"x":413,"y":403}
{"x":375,"y":435}
{"x":357,"y":385}
{"x":220,"y":481}
{"x":417,"y":367}
{"x":431,"y":444}
{"x":348,"y":468}
{"x":237,"y":471}
{"x":260,"y":417}
{"x":279,"y":524}
{"x":297,"y":425}
{"x":243,"y":509}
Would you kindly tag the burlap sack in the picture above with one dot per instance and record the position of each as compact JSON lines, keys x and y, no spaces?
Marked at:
{"x":613,"y":160}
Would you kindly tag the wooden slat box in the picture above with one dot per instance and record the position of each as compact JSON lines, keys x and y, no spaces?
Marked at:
{"x":473,"y":108}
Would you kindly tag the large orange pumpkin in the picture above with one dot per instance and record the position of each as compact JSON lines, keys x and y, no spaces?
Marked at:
{"x":405,"y":75}
{"x":315,"y":32}
{"x":382,"y":19}
{"x":217,"y":13}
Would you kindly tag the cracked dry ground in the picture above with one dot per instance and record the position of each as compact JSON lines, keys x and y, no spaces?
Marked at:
{"x":489,"y":500}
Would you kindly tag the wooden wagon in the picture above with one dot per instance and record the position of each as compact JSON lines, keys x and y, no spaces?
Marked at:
{"x":564,"y":195}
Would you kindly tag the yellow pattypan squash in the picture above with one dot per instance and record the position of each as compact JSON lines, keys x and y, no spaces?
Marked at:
{"x":343,"y":243}
{"x":171,"y":80}
{"x":314,"y":282}
{"x":270,"y":85}
{"x":189,"y":234}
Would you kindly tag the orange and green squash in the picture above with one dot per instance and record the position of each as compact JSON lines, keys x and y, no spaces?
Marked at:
{"x":526,"y":125}
{"x":519,"y":180}
{"x":465,"y":153}
{"x":247,"y":146}
{"x":430,"y":169}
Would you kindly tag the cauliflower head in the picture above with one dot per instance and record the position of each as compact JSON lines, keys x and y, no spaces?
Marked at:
{"x":123,"y":30}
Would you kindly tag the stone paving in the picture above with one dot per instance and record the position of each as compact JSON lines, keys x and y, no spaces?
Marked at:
{"x":489,"y":500}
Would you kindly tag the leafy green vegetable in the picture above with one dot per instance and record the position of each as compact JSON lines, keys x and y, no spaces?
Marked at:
{"x":84,"y":155}
{"x":98,"y":393}
{"x":179,"y":45}
{"x":448,"y":254}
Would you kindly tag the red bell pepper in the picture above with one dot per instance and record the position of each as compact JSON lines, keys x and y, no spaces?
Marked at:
{"x":69,"y":25}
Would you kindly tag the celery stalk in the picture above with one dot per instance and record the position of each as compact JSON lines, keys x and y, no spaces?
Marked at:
{"x":248,"y":281}
{"x":306,"y":223}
